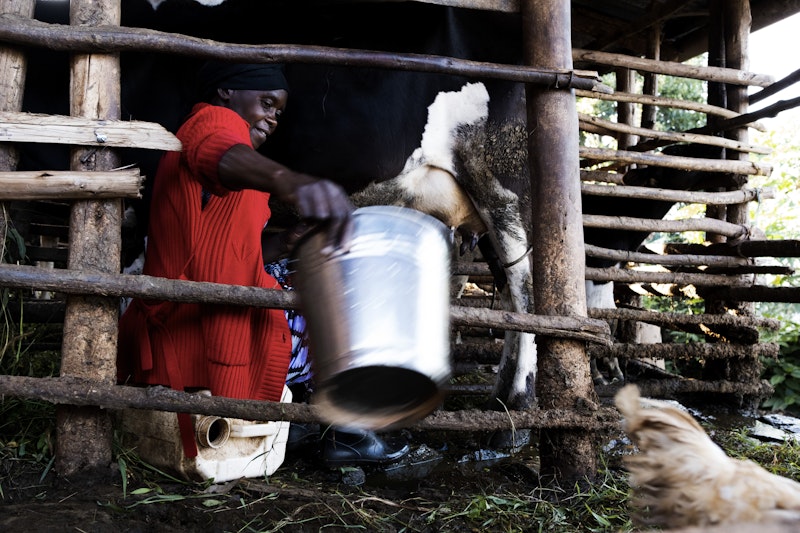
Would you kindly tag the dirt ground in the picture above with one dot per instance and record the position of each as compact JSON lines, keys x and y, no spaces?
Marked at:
{"x":431,"y":491}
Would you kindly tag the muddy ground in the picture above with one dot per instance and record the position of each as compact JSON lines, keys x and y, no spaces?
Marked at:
{"x":451,"y":481}
{"x":443,"y":487}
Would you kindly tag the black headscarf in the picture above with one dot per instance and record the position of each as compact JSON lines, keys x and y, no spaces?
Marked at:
{"x":215,"y":75}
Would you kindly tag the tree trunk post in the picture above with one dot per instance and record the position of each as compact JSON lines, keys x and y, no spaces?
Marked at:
{"x":563,"y":379}
{"x":13,"y":67}
{"x":84,"y":434}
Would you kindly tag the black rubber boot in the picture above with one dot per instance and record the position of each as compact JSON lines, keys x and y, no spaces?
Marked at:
{"x":359,"y":447}
{"x":302,"y":435}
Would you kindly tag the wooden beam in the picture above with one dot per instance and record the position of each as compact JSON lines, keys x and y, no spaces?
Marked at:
{"x":120,"y":39}
{"x":31,"y":185}
{"x":665,"y":278}
{"x":660,"y":101}
{"x":607,"y":127}
{"x":154,"y":288}
{"x":732,"y":231}
{"x":677,"y":162}
{"x":59,"y":129}
{"x":84,"y":434}
{"x":670,"y":68}
{"x":673,"y":195}
{"x":563,"y":379}
{"x":625,"y":256}
{"x":73,"y":391}
{"x":751,"y":248}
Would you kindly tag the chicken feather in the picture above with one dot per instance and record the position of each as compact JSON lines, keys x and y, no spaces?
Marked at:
{"x":680,"y":477}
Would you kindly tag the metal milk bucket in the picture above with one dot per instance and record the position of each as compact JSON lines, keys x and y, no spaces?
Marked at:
{"x":378,"y":318}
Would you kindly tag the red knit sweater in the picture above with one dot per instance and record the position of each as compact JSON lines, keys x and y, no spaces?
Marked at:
{"x":234,"y":351}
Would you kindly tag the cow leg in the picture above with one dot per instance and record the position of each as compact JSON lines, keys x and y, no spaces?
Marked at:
{"x":601,"y":296}
{"x":516,"y":380}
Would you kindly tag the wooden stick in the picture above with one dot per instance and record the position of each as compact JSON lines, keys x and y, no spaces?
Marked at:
{"x":671,"y":68}
{"x":776,"y":87}
{"x":669,"y":319}
{"x":572,"y":327}
{"x":604,"y":176}
{"x":59,"y":129}
{"x":73,"y":391}
{"x":661,"y":101}
{"x":54,"y":185}
{"x":108,"y":39}
{"x":638,"y":276}
{"x":670,"y":388}
{"x":607,"y":127}
{"x":673,"y":195}
{"x":662,"y":259}
{"x":751,"y":248}
{"x":708,"y":225}
{"x":694,"y":350}
{"x":152,"y":288}
{"x":678,"y":162}
{"x":755,"y":293}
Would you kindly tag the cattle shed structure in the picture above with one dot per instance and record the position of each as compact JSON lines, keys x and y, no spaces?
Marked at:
{"x":591,"y":204}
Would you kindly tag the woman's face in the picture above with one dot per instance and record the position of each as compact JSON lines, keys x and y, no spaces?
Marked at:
{"x":261,"y":109}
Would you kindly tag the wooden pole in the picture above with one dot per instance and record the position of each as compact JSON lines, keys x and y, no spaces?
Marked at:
{"x":625,"y":110}
{"x":13,"y":67}
{"x":121,"y":39}
{"x":737,"y":36}
{"x":651,"y":80}
{"x":738,"y":19}
{"x":716,"y":95}
{"x":84,"y":434}
{"x":563,"y":378}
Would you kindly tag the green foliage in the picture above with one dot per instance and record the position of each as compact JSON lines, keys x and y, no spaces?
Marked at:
{"x":671,"y":119}
{"x":780,"y":458}
{"x":779,"y":218}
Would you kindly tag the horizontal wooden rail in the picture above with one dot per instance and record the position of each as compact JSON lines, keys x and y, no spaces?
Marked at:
{"x":627,"y":276}
{"x":149,"y":287}
{"x":661,"y":101}
{"x":624,"y":256}
{"x":672,"y":195}
{"x":752,"y":248}
{"x":113,"y":39}
{"x":693,"y":350}
{"x":639,"y":276}
{"x":671,"y":68}
{"x":75,"y":391}
{"x":650,"y":225}
{"x":601,"y":126}
{"x":72,"y":185}
{"x":60,"y":129}
{"x":682,"y":319}
{"x":678,"y":162}
{"x":672,"y":388}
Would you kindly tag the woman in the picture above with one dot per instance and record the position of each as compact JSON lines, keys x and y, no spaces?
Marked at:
{"x":209,"y":208}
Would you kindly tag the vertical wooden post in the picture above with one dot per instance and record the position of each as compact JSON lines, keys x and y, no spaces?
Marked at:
{"x":13,"y":66}
{"x":563,"y":379}
{"x":738,"y":21}
{"x":89,"y":348}
{"x":625,"y":110}
{"x":650,"y":79}
{"x":716,"y":93}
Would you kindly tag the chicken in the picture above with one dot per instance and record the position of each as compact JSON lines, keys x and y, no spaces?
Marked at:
{"x":680,"y":478}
